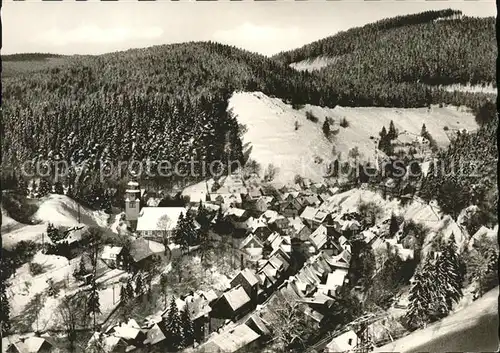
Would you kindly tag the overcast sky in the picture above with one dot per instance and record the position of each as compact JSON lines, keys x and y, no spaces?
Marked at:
{"x":93,"y":27}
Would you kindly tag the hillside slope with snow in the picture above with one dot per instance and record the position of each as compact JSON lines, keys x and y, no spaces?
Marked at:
{"x":472,"y":329}
{"x":57,"y":209}
{"x":272,"y":138}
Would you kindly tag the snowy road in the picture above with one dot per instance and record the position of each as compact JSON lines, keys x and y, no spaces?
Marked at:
{"x":473,"y":329}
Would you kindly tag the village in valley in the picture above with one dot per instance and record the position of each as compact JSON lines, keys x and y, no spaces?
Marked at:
{"x":232,"y":264}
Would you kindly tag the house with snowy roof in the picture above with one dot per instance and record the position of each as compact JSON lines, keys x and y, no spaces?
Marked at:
{"x":313,"y":216}
{"x":251,"y":248}
{"x":297,"y":229}
{"x":107,"y":343}
{"x":321,"y":240}
{"x":156,"y":334}
{"x":113,"y":257}
{"x":232,"y":304}
{"x":157,"y":223}
{"x":231,"y":340}
{"x":130,"y":332}
{"x":32,"y":344}
{"x":249,"y":280}
{"x":144,"y":252}
{"x":259,"y":229}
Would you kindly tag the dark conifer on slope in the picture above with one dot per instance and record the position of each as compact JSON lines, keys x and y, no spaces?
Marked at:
{"x":450,"y":273}
{"x":419,"y":298}
{"x":187,"y":327}
{"x":173,"y":326}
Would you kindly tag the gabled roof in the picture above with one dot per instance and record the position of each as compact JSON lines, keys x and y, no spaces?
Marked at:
{"x":156,"y":334}
{"x":236,"y":297}
{"x":319,"y":237}
{"x":296,"y":224}
{"x":231,"y":340}
{"x":209,"y":295}
{"x":336,"y":278}
{"x":309,"y":213}
{"x":159,"y":218}
{"x":269,"y":271}
{"x":31,"y":344}
{"x":251,"y":238}
{"x":234,"y":211}
{"x":197,"y":305}
{"x":249,"y":276}
{"x":318,"y":298}
{"x":272,"y":237}
{"x":141,"y":248}
{"x":109,"y":343}
{"x":255,"y":320}
{"x":278,"y":262}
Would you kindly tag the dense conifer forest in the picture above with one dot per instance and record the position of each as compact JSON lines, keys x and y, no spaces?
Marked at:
{"x":169,"y":102}
{"x":401,"y":61}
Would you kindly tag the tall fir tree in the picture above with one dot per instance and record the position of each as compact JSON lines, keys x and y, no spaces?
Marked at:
{"x":173,"y":326}
{"x":420,"y":298}
{"x":93,"y":304}
{"x":393,"y":226}
{"x":450,"y":273}
{"x":392,"y":134}
{"x":326,"y":129}
{"x":187,"y":327}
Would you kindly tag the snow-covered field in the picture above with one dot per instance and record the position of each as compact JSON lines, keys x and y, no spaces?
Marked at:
{"x":57,"y":209}
{"x":470,"y":88}
{"x":272,"y":137}
{"x":313,"y":64}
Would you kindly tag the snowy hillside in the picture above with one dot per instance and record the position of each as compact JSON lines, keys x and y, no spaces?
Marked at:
{"x":272,"y":137}
{"x":57,"y":209}
{"x":474,"y":328}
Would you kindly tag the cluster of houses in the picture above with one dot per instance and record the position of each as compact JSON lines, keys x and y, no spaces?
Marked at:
{"x":268,"y":226}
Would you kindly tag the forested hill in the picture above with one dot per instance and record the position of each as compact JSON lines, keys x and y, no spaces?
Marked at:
{"x":160,"y":103}
{"x":406,"y":57}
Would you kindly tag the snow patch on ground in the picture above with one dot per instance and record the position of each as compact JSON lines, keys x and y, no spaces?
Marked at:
{"x":313,"y":64}
{"x":63,"y":211}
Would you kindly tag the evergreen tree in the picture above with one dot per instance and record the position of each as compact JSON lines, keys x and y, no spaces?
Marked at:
{"x":326,"y":128}
{"x":44,"y":187}
{"x":93,"y":305}
{"x":423,"y":131}
{"x":187,"y":327}
{"x":420,"y":297}
{"x":179,"y":232}
{"x":4,"y":303}
{"x":393,"y":226}
{"x":450,"y":273}
{"x":384,"y":143}
{"x":392,"y":134}
{"x":173,"y":326}
{"x":139,"y":283}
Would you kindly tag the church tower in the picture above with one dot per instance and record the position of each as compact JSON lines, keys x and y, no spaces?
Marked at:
{"x":132,"y":201}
